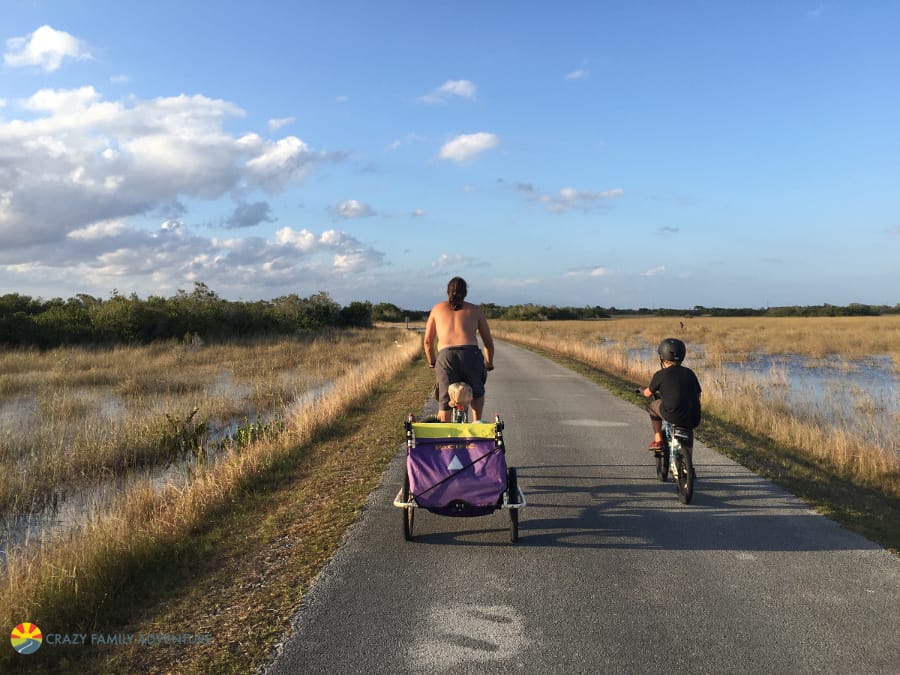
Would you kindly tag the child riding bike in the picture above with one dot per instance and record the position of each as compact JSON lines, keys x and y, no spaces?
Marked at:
{"x":675,"y":390}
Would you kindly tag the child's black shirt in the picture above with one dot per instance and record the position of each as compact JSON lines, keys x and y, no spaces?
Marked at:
{"x":679,"y":390}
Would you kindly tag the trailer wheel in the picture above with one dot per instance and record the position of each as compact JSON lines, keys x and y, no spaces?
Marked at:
{"x":512,"y":486}
{"x":409,"y":513}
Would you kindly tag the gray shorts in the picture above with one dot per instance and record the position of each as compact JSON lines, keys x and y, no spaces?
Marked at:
{"x":459,"y":364}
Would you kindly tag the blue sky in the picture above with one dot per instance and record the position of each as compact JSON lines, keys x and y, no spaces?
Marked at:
{"x":627,"y":154}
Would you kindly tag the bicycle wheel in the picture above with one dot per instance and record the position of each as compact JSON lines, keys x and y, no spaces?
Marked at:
{"x":685,"y":478}
{"x":512,"y":487}
{"x":662,"y":464}
{"x":409,"y":513}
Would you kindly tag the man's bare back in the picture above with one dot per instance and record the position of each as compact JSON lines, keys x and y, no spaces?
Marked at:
{"x":455,"y":328}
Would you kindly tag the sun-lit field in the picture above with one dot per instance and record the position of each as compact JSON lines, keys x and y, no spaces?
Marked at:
{"x":70,"y":417}
{"x":76,"y":422}
{"x":827,"y":386}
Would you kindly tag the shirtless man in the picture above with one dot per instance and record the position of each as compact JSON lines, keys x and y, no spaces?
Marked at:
{"x":455,"y":325}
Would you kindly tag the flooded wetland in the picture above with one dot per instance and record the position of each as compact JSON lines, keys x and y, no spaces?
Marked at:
{"x":824,"y":385}
{"x":79,"y":427}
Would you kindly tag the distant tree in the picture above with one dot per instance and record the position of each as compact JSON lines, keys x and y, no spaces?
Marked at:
{"x":67,"y":323}
{"x":492,"y":311}
{"x":318,"y":311}
{"x":199,"y":311}
{"x":14,"y":302}
{"x":356,"y":315}
{"x":120,"y":319}
{"x":385,"y":311}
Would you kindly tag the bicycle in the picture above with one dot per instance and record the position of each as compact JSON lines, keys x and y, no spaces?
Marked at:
{"x":676,"y":456}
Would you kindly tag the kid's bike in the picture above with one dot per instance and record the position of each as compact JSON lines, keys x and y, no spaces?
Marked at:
{"x":676,"y":456}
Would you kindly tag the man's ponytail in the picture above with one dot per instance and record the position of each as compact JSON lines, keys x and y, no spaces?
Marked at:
{"x":456,"y":293}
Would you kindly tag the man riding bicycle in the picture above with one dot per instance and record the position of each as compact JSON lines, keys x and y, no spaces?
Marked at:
{"x":456,"y":325}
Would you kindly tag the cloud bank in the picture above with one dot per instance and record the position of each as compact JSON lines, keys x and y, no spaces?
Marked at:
{"x":83,"y":179}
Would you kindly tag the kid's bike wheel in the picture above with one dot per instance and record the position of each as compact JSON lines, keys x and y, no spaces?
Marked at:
{"x":662,"y":464}
{"x":512,"y":486}
{"x":685,"y":478}
{"x":409,"y":513}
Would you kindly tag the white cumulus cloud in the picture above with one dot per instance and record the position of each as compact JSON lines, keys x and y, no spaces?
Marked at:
{"x":77,"y":159}
{"x":468,"y":146}
{"x":46,"y":48}
{"x":278,"y":163}
{"x":459,"y":88}
{"x":120,"y":255}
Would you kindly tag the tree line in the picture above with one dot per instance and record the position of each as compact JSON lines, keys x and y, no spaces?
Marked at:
{"x":853,"y":309}
{"x":84,"y":319}
{"x":528,"y":312}
{"x":532,"y":312}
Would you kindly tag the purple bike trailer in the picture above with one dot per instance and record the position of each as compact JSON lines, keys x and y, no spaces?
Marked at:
{"x":457,"y":469}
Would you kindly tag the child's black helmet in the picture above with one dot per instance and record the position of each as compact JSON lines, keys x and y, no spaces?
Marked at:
{"x":672,"y":349}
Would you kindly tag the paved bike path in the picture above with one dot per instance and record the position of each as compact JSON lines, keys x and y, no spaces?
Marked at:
{"x":611,"y":573}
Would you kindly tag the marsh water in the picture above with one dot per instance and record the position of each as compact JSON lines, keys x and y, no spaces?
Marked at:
{"x":857,"y":395}
{"x":860,"y":395}
{"x":76,"y":504}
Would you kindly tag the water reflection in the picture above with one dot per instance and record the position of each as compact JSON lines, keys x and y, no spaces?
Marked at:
{"x":73,"y":504}
{"x":857,"y":395}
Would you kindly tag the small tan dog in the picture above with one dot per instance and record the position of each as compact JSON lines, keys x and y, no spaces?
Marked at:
{"x":460,"y":395}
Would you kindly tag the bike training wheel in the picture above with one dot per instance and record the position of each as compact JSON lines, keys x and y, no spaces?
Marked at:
{"x":662,"y":464}
{"x":512,"y":487}
{"x":409,"y":513}
{"x":685,"y":478}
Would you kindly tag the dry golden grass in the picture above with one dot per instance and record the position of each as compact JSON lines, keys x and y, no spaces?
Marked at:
{"x":627,"y":348}
{"x":734,"y":337}
{"x":76,"y":570}
{"x":73,"y":415}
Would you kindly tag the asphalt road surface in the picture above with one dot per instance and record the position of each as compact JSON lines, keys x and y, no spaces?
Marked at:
{"x":611,"y":574}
